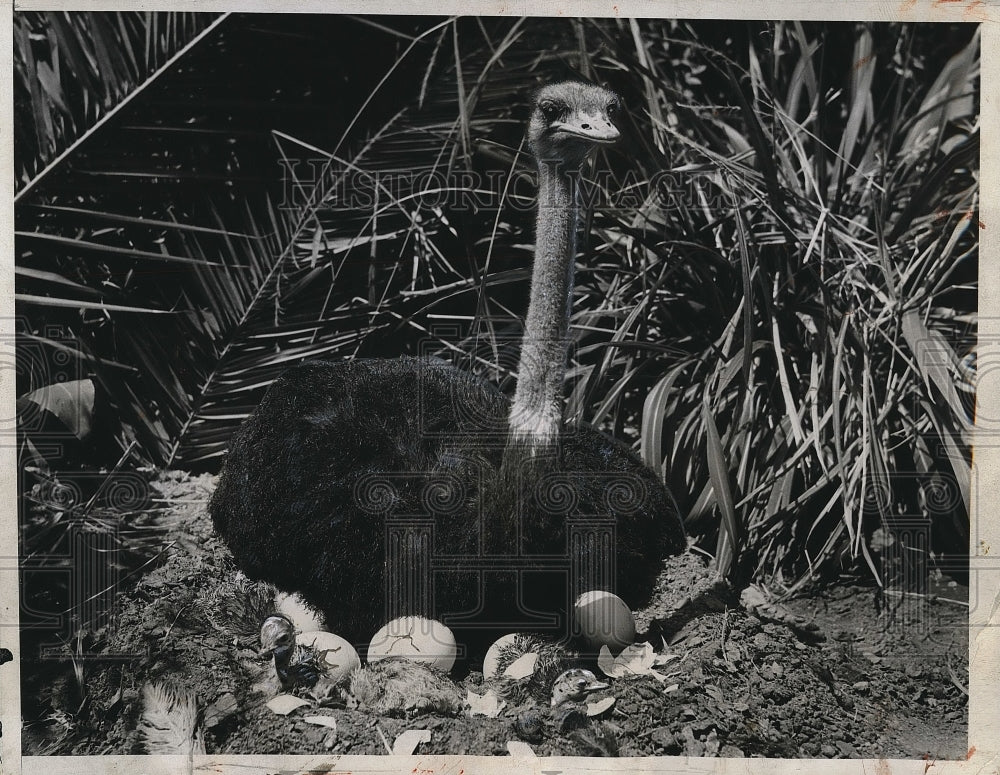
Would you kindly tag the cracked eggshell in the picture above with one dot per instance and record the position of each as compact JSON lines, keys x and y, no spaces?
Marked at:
{"x":338,"y":656}
{"x":417,"y":639}
{"x":603,"y":619}
{"x":491,"y":667}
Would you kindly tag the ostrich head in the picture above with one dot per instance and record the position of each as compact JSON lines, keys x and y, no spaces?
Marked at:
{"x":574,"y":685}
{"x":570,"y":119}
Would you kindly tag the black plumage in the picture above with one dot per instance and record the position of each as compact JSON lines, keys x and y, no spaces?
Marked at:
{"x":516,"y":512}
{"x":300,"y":499}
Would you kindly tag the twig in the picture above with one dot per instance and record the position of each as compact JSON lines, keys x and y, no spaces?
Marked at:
{"x":954,"y":678}
{"x":930,"y":598}
{"x":385,"y":740}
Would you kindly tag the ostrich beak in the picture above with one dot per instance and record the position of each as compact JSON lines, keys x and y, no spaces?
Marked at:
{"x":592,"y":127}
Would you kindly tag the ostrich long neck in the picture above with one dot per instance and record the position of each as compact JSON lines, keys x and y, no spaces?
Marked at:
{"x":536,"y":415}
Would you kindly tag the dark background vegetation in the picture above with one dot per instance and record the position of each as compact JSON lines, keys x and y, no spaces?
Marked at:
{"x":785,"y":333}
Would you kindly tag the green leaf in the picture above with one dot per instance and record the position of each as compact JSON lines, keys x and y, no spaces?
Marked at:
{"x":860,"y":100}
{"x":951,"y":96}
{"x":932,"y":356}
{"x":71,"y":402}
{"x":47,"y":301}
{"x":654,"y":412}
{"x":730,"y":537}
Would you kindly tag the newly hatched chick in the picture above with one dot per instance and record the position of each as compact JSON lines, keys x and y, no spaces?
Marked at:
{"x":569,"y":695}
{"x":297,"y":666}
{"x":566,"y":712}
{"x":546,"y":660}
{"x":235,"y":607}
{"x":397,"y":687}
{"x":574,"y":686}
{"x":389,"y":687}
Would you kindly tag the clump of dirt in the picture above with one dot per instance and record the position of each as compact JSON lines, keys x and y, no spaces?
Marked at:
{"x":880,"y":676}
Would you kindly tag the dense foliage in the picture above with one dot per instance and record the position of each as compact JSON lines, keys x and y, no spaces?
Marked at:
{"x":776,"y":296}
{"x":70,"y":69}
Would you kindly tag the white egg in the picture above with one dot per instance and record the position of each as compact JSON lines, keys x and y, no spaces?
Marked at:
{"x":338,"y":655}
{"x":416,"y":639}
{"x":603,"y":619}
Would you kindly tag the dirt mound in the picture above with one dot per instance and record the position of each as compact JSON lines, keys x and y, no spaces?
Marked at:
{"x":882,"y":676}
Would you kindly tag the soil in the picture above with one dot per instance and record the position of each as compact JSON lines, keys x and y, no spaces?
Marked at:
{"x":856,"y":674}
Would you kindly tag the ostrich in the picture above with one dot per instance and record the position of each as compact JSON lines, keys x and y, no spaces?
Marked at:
{"x":336,"y":451}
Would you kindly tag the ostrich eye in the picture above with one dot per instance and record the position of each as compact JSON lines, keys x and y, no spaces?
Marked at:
{"x":613,"y":108}
{"x":580,"y":683}
{"x":550,"y":110}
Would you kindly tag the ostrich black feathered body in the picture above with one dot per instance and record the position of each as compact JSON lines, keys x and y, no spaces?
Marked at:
{"x":348,"y":468}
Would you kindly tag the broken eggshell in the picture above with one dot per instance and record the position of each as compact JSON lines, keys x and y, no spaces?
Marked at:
{"x":491,"y":662}
{"x":337,"y":656}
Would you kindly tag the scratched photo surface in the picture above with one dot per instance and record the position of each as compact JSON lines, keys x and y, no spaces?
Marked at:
{"x":494,"y":386}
